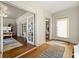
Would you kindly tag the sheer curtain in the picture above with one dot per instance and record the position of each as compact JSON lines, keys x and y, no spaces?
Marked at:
{"x":62,"y":28}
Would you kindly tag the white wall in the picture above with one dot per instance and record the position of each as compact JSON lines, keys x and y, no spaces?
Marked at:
{"x":39,"y":25}
{"x":73,"y":15}
{"x":22,"y":19}
{"x":0,"y":27}
{"x":39,"y":18}
{"x":40,"y":28}
{"x":78,"y":20}
{"x":49,"y":16}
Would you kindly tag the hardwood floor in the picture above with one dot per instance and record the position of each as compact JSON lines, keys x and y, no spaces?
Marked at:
{"x":17,"y":51}
{"x":35,"y":53}
{"x":69,"y":51}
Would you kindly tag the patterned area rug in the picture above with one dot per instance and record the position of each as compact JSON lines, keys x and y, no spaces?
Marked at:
{"x":54,"y":51}
{"x":10,"y":43}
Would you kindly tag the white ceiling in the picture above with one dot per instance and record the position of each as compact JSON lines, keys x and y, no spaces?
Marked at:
{"x":13,"y":12}
{"x":51,"y":6}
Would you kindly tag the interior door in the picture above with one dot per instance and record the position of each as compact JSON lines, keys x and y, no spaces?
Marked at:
{"x":30,"y":29}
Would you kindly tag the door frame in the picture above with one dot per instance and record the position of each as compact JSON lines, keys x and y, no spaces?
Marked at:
{"x":49,"y":28}
{"x":33,"y":43}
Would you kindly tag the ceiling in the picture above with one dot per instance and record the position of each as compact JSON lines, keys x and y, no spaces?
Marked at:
{"x":13,"y":12}
{"x":51,"y":6}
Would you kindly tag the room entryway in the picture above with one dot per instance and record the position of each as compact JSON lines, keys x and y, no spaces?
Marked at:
{"x":18,"y":31}
{"x":47,"y":29}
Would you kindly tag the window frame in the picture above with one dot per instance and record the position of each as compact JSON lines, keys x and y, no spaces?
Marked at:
{"x":67,"y":27}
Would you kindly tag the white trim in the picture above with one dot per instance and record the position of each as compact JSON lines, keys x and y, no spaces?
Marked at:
{"x":1,"y":33}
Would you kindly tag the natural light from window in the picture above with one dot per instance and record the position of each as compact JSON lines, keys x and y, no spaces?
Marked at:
{"x":62,"y":27}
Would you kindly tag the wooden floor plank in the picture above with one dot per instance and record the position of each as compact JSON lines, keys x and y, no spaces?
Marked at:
{"x":17,"y":51}
{"x":36,"y":52}
{"x":40,"y":49}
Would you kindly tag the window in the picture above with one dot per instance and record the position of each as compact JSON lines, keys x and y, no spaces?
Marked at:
{"x":62,"y":28}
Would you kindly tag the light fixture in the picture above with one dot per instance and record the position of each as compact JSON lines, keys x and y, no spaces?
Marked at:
{"x":3,"y":10}
{"x":4,"y":15}
{"x":46,"y":20}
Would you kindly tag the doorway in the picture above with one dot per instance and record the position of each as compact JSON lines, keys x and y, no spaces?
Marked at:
{"x":47,"y":29}
{"x":15,"y":29}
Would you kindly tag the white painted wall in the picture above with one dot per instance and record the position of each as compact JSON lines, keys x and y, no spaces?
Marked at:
{"x":39,"y":20}
{"x":73,"y":15}
{"x":22,"y":19}
{"x":49,"y":15}
{"x":40,"y":28}
{"x":39,"y":25}
{"x":78,"y":21}
{"x":0,"y":28}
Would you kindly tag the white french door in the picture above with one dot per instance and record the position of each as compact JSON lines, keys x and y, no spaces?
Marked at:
{"x":30,"y":30}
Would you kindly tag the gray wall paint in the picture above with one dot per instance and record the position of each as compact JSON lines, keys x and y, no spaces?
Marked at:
{"x":10,"y":21}
{"x":73,"y":15}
